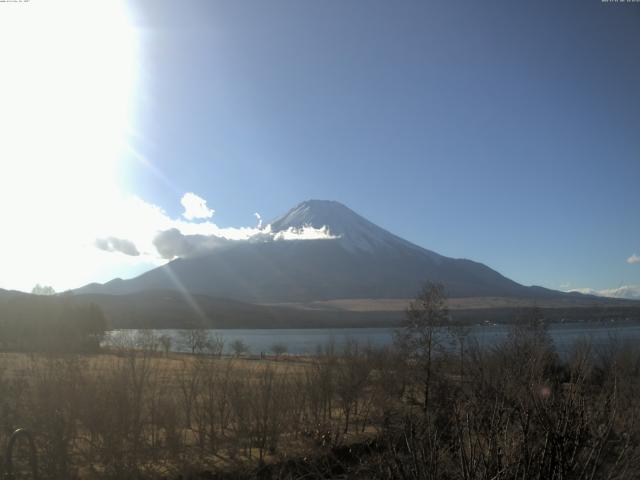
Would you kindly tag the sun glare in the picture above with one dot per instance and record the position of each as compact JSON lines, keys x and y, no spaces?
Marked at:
{"x":68,"y":77}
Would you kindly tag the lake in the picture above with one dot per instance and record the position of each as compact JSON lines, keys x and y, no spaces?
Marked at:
{"x":306,"y":341}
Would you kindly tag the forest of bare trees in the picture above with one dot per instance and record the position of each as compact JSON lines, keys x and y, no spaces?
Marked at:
{"x":428,"y":407}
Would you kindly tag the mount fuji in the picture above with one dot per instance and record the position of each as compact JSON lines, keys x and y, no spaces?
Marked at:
{"x":359,"y":260}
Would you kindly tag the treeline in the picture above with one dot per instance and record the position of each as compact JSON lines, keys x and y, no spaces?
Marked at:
{"x":48,"y":323}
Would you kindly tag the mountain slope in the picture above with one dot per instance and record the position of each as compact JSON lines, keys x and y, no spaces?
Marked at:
{"x":365,"y":261}
{"x":171,"y":309}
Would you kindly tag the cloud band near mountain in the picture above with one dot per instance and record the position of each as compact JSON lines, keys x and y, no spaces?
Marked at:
{"x":114,"y":244}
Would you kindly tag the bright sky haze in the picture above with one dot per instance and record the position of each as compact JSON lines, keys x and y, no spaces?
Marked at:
{"x":504,"y":132}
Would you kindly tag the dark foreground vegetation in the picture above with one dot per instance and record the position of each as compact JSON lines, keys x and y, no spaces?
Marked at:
{"x":39,"y":323}
{"x":418,"y":410}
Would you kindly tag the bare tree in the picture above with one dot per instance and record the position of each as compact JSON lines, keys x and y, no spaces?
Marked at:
{"x":351,"y":380}
{"x":278,"y":349}
{"x":460,"y":332}
{"x":147,"y":341}
{"x":239,"y":347}
{"x":215,"y":345}
{"x":196,"y":339}
{"x":43,"y":290}
{"x":417,"y":337}
{"x":165,"y":343}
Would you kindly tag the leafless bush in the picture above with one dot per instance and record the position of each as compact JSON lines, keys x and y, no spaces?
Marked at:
{"x":278,"y":349}
{"x":239,"y":347}
{"x":196,"y":339}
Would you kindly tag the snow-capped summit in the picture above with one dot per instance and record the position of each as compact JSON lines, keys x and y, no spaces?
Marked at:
{"x":318,"y":213}
{"x":352,"y":231}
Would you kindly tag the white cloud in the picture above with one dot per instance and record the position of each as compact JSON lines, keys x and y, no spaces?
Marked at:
{"x":115,"y":244}
{"x":172,"y":243}
{"x":633,"y":259}
{"x":94,"y":235}
{"x":305,"y":233}
{"x":195,"y":207}
{"x":584,"y":291}
{"x":631,"y":292}
{"x":175,"y":242}
{"x":157,"y":237}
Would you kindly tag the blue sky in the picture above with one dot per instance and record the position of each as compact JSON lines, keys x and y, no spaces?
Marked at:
{"x":505,"y":132}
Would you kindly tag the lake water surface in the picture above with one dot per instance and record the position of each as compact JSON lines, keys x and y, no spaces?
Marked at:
{"x":307,"y":341}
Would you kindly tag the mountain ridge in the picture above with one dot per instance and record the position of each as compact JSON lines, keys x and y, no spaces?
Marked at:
{"x":360,"y":260}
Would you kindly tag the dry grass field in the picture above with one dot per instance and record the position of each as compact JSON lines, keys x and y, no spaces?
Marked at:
{"x":139,"y":412}
{"x":467,"y":303}
{"x":412,"y":411}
